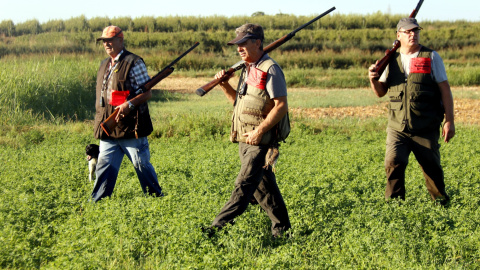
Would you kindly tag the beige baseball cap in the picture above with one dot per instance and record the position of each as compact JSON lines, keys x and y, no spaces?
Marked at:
{"x":408,"y":24}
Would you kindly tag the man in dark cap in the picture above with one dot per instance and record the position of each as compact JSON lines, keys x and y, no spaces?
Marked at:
{"x":420,"y":98}
{"x":260,"y":107}
{"x":118,"y":77}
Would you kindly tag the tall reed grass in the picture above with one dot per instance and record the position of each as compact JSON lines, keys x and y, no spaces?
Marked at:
{"x":47,"y":87}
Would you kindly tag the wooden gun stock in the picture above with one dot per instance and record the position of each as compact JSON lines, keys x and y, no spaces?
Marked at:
{"x":272,"y":46}
{"x":382,"y":63}
{"x":209,"y":86}
{"x":110,"y":123}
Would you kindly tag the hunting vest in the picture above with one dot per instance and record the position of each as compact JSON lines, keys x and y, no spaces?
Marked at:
{"x":415,"y":102}
{"x":138,"y":120}
{"x":253,"y":104}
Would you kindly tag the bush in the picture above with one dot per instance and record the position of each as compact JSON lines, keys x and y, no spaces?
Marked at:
{"x":98,"y":23}
{"x":76,"y":24}
{"x":53,"y":26}
{"x":28,"y":27}
{"x":7,"y":28}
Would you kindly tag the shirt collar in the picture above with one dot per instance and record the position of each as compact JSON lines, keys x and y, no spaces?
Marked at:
{"x":259,"y":61}
{"x":115,"y":60}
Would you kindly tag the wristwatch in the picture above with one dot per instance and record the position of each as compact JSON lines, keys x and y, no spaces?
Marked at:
{"x":130,"y":105}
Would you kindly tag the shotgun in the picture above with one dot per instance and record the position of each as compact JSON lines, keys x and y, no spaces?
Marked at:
{"x":272,"y":46}
{"x":382,"y":64}
{"x":109,"y":124}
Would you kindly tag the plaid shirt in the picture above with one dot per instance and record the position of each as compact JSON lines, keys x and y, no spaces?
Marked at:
{"x":138,"y":74}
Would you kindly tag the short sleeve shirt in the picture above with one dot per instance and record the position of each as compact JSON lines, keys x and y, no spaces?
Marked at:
{"x":438,"y":68}
{"x":276,"y":84}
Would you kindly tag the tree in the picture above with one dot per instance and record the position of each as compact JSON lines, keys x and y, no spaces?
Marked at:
{"x":7,"y":28}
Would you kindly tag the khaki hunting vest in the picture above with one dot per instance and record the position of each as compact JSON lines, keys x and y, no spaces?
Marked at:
{"x":252,"y":108}
{"x":415,"y":103}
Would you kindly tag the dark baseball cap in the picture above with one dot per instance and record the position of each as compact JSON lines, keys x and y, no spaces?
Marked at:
{"x":247,"y":31}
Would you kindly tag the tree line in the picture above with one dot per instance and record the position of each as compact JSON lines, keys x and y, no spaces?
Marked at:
{"x":152,"y":24}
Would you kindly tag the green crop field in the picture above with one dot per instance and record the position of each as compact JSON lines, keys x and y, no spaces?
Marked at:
{"x":330,"y":169}
{"x":330,"y":173}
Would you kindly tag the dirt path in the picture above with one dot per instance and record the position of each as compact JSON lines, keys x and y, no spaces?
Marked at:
{"x":466,"y":110}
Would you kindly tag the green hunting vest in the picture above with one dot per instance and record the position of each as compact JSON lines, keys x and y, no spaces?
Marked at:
{"x":415,"y":102}
{"x":252,"y":108}
{"x":138,"y":119}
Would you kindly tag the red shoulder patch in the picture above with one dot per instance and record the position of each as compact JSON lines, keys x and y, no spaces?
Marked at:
{"x":257,"y":78}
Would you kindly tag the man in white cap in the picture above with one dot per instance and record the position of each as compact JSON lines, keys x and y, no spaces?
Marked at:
{"x":118,"y":77}
{"x":260,"y":108}
{"x":420,"y":98}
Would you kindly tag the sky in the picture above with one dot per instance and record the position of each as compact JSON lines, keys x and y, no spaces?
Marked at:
{"x":44,"y":10}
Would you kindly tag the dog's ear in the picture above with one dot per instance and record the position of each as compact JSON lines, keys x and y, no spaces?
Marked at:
{"x":92,"y":150}
{"x":87,"y":148}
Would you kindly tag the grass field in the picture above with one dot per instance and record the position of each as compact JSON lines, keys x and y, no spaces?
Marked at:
{"x":330,"y":173}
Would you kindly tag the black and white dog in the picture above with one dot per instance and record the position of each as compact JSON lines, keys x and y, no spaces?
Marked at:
{"x":92,"y":151}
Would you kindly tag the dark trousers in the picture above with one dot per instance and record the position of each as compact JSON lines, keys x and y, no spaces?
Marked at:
{"x":426,"y":149}
{"x":254,"y":180}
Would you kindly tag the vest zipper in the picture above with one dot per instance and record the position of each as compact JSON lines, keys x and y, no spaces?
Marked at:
{"x":405,"y":118}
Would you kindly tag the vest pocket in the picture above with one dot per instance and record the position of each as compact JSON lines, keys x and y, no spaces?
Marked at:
{"x":395,"y":111}
{"x":251,"y":116}
{"x":396,"y":103}
{"x":424,"y":112}
{"x":251,"y":111}
{"x":422,"y":101}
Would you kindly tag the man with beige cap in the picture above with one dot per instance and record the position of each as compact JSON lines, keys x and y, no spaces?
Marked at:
{"x":118,"y":78}
{"x":420,"y":99}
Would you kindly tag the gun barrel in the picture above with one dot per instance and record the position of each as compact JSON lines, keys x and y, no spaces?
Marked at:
{"x":183,"y":54}
{"x":109,"y":124}
{"x":417,"y":8}
{"x":313,"y":20}
{"x":277,"y":43}
{"x":382,"y":63}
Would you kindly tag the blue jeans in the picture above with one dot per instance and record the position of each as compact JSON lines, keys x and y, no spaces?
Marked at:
{"x":110,"y":159}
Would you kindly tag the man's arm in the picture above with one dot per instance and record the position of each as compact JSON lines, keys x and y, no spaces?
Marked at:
{"x":448,"y":130}
{"x":378,"y":87}
{"x":138,"y":76}
{"x":228,"y":90}
{"x":278,"y":111}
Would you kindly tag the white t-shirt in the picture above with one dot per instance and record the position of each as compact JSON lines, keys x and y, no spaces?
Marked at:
{"x":438,"y":69}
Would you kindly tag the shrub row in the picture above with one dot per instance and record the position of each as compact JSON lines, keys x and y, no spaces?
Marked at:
{"x":152,"y":24}
{"x":367,"y":40}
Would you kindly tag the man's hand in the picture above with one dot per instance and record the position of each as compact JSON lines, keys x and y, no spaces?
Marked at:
{"x":448,"y":131}
{"x":253,"y":137}
{"x":228,"y":90}
{"x":379,"y":88}
{"x":372,"y":74}
{"x":220,"y":74}
{"x":123,"y":110}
